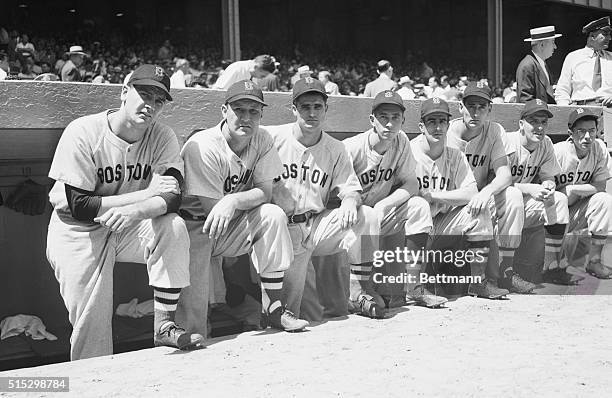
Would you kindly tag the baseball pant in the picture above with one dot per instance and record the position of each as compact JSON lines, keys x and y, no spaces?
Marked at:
{"x":261,"y":232}
{"x":323,"y":235}
{"x":411,"y":217}
{"x":83,"y":256}
{"x":550,"y":212}
{"x":593,"y":213}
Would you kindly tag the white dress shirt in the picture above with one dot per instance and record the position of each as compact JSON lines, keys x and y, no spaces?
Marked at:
{"x":575,"y":82}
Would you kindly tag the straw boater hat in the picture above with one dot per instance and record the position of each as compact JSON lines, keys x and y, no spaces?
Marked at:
{"x":543,"y":33}
{"x":76,"y":50}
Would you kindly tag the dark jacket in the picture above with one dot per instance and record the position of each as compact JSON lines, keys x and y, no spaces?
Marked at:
{"x":531,"y":81}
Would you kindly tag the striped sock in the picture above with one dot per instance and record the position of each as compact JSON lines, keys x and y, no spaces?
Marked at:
{"x":360,"y":277}
{"x":552,"y":245}
{"x":165,"y":301}
{"x":597,"y":242}
{"x":506,"y":260}
{"x":271,"y":287}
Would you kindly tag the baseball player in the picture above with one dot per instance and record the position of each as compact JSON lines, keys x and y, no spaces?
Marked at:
{"x":117,"y":176}
{"x":229,"y":171}
{"x":447,"y":183}
{"x":532,"y":160}
{"x":585,"y":168}
{"x":315,"y":166}
{"x":482,"y":142}
{"x":257,"y":68}
{"x":382,"y":159}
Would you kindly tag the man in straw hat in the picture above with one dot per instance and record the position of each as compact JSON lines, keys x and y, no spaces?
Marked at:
{"x":585,"y":76}
{"x":70,"y":71}
{"x":532,"y":74}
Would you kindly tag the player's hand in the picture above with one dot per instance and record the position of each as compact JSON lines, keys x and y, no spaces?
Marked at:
{"x":539,"y":192}
{"x":163,"y":184}
{"x":427,"y":196}
{"x":478,"y":203}
{"x":347,"y":213}
{"x":218,"y":220}
{"x":118,"y":218}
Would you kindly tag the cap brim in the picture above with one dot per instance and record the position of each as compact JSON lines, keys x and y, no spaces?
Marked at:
{"x":548,"y":113}
{"x":402,"y":107}
{"x":151,"y":82}
{"x":311,"y":90}
{"x":423,"y":115}
{"x":245,"y":96}
{"x":483,"y":96}
{"x":78,"y":53}
{"x":587,"y":116}
{"x":544,"y":38}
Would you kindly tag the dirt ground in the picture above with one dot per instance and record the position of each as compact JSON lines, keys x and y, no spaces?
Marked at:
{"x":536,"y":345}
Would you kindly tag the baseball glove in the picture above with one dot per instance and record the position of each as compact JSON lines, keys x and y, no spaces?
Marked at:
{"x":29,"y":198}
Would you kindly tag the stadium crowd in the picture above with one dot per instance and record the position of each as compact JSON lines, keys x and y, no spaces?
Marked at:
{"x":110,"y":60}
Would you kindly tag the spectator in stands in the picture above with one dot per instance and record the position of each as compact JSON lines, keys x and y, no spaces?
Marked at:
{"x":259,"y":68}
{"x":498,"y":97}
{"x":178,"y":78}
{"x":271,"y":82}
{"x":384,"y":80}
{"x":533,"y":77}
{"x":331,"y":88}
{"x":583,"y":80}
{"x":451,"y":93}
{"x":4,"y":40}
{"x":433,"y":88}
{"x":25,"y":47}
{"x":406,"y":91}
{"x":4,"y":66}
{"x":347,"y":89}
{"x":302,"y":72}
{"x":70,"y":71}
{"x":26,"y":70}
{"x":511,"y":96}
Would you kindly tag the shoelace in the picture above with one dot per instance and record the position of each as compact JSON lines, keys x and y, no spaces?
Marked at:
{"x":172,"y":328}
{"x":290,"y":314}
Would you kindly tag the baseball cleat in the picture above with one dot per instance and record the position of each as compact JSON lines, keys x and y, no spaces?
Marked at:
{"x":514,"y":283}
{"x":424,"y":298}
{"x":486,"y":290}
{"x":598,"y":270}
{"x":560,"y":276}
{"x":171,"y":335}
{"x":366,"y":305}
{"x":283,"y":319}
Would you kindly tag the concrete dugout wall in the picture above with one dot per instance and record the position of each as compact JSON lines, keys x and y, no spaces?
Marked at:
{"x":34,"y":114}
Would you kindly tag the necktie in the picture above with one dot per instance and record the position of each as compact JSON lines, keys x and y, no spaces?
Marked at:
{"x":597,"y":72}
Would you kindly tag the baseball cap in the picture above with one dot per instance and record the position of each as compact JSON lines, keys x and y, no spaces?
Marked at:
{"x":477,"y":89}
{"x":601,"y":23}
{"x":151,"y":75}
{"x":434,"y":105}
{"x":534,"y":106}
{"x":308,"y":85}
{"x":244,"y":89}
{"x":388,"y":97}
{"x":581,"y":113}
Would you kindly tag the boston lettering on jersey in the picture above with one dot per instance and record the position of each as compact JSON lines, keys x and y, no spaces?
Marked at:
{"x":434,"y":182}
{"x":111,"y":174}
{"x":304,"y":173}
{"x":476,"y":160}
{"x":579,"y":176}
{"x":529,"y":171}
{"x":232,"y":181}
{"x":371,"y":176}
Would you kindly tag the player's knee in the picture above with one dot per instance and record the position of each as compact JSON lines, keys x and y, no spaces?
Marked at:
{"x":272,"y":214}
{"x":602,"y":200}
{"x":366,"y":215}
{"x":420,"y":206}
{"x":174,"y":226}
{"x":514,"y":198}
{"x":560,"y":199}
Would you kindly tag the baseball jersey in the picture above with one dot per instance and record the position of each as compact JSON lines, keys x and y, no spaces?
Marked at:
{"x":525,"y":166}
{"x":596,"y":166}
{"x":213,"y":170}
{"x":379,"y":173}
{"x":310,"y":175}
{"x":236,"y":71}
{"x":481,"y":151}
{"x":91,"y":157}
{"x":448,"y":172}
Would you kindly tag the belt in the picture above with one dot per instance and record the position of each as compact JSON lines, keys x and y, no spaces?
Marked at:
{"x":188,"y":216}
{"x":299,"y":218}
{"x":592,"y":101}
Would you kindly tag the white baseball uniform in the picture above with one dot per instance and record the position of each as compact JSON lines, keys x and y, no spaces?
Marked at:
{"x":481,"y":152}
{"x":213,"y":170}
{"x":310,"y":176}
{"x":91,"y":157}
{"x":595,"y":211}
{"x":449,"y":172}
{"x":539,"y":165}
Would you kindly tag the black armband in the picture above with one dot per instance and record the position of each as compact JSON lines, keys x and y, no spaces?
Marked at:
{"x":84,"y":205}
{"x":173,"y":201}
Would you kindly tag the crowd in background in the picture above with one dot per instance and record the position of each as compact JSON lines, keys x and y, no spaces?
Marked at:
{"x":110,"y":59}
